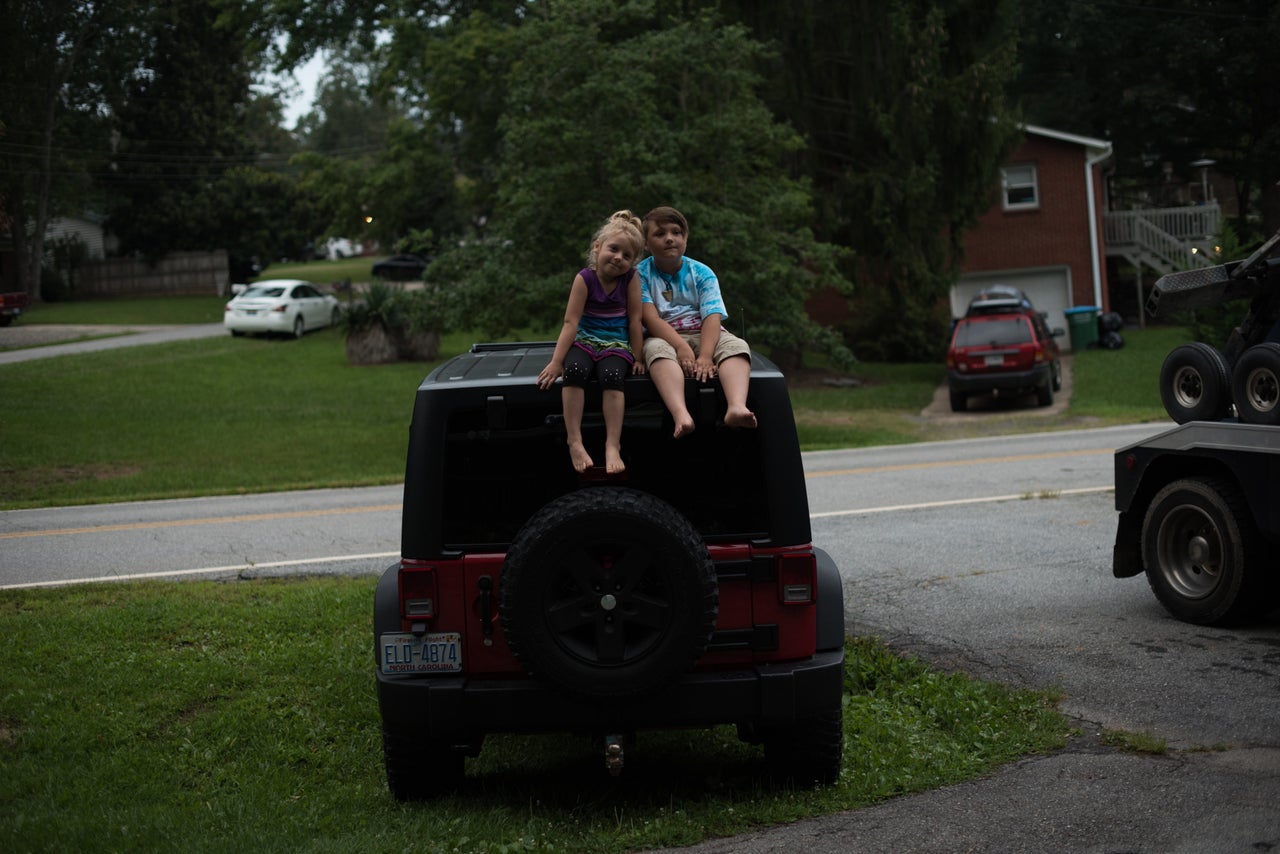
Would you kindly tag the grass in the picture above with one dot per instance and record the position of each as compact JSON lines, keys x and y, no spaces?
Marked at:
{"x":129,"y":311}
{"x":225,"y":416}
{"x":200,"y":716}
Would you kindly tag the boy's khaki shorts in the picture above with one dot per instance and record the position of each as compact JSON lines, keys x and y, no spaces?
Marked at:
{"x":728,"y":345}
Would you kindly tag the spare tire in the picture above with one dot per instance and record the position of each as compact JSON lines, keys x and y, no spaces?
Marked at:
{"x":608,"y":592}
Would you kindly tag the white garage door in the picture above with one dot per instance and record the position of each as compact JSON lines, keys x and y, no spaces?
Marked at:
{"x":1049,"y":290}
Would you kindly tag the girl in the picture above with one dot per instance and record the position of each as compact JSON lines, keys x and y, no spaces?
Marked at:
{"x":600,"y":337}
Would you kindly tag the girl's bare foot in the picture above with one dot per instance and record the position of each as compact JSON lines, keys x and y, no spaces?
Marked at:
{"x":684,"y":425}
{"x":739,"y":416}
{"x":613,"y":463}
{"x":579,"y":457}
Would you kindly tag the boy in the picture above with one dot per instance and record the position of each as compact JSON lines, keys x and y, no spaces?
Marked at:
{"x":682,"y":311}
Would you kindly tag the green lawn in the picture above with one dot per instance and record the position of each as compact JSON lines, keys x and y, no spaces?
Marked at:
{"x":202,"y":716}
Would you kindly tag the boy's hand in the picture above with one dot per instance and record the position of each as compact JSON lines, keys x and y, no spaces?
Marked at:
{"x":549,"y":374}
{"x":704,"y":369}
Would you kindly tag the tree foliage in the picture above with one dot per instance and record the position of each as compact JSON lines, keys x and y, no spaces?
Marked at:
{"x":617,"y":105}
{"x":906,"y":122}
{"x":1170,"y":83}
{"x":178,"y":121}
{"x":56,"y":59}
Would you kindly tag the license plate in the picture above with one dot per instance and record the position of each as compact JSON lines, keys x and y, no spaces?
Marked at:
{"x":991,"y":361}
{"x":250,"y":311}
{"x":430,"y":653}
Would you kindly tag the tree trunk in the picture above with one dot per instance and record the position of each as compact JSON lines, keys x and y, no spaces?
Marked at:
{"x":371,"y":346}
{"x":420,"y":346}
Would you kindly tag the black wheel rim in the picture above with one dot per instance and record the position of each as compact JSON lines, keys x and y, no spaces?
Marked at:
{"x":606,"y":603}
{"x":1261,"y":390}
{"x":1188,"y":387}
{"x":1190,"y":552}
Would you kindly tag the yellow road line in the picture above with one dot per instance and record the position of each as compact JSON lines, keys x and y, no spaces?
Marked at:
{"x":216,"y":520}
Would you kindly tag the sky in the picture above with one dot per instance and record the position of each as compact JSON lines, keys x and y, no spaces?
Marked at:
{"x":307,"y":76}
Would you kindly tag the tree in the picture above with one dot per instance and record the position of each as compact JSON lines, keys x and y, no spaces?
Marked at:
{"x":1169,"y":83}
{"x":180,"y":122}
{"x":617,"y":105}
{"x":55,"y":58}
{"x":903,"y":110}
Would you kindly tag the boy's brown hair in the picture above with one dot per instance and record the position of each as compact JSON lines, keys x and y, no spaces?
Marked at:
{"x":665,"y":214}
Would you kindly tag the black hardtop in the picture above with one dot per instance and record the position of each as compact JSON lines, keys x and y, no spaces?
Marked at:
{"x":487,"y":450}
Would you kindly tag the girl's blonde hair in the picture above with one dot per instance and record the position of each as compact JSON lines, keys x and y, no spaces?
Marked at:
{"x":622,"y":222}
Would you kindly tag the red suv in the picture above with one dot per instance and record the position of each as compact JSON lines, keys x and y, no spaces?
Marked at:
{"x":1007,"y":354}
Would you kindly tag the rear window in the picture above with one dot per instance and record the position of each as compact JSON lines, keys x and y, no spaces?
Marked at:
{"x":995,"y":332}
{"x":494,"y":480}
{"x":263,"y":292}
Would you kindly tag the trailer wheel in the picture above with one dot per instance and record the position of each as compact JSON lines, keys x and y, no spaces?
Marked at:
{"x":1198,"y":544}
{"x":1195,"y":383}
{"x":1255,"y":385}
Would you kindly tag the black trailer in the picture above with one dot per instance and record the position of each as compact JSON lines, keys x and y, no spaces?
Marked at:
{"x":1200,"y":514}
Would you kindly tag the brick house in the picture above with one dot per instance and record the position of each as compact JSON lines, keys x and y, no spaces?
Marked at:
{"x":1045,"y":232}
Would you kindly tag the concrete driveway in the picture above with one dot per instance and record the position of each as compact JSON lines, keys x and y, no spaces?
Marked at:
{"x":24,"y":342}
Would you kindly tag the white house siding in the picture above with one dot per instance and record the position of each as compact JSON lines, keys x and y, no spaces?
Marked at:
{"x":89,"y":232}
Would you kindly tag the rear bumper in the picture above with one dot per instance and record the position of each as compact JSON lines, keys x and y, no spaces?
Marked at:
{"x":459,"y":709}
{"x":1024,"y":381}
{"x":266,"y":321}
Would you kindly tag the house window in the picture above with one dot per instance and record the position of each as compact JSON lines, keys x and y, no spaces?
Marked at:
{"x":1019,"y":184}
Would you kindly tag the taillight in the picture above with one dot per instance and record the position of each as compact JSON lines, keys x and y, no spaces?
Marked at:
{"x":281,"y":308}
{"x":419,"y":592}
{"x":796,"y":578}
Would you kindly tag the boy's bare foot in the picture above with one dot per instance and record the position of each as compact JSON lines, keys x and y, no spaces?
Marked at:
{"x":579,"y":457}
{"x":684,"y":426}
{"x":613,"y":463}
{"x":740,"y":416}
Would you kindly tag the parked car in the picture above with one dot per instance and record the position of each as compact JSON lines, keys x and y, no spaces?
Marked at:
{"x":528,"y":598}
{"x":999,"y":299}
{"x":12,"y":304}
{"x":401,"y":268}
{"x":1003,"y":354}
{"x":284,"y":306}
{"x":337,"y":248}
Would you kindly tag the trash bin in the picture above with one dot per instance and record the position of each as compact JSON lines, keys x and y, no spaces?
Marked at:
{"x":1082,"y":326}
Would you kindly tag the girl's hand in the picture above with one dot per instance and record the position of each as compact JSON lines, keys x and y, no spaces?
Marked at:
{"x":638,"y":367}
{"x":549,"y":374}
{"x":684,"y":355}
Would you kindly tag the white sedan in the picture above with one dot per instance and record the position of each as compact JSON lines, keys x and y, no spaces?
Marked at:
{"x":286,"y":306}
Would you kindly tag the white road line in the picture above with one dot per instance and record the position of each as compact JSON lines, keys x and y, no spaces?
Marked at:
{"x":960,"y":501}
{"x":209,"y":570}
